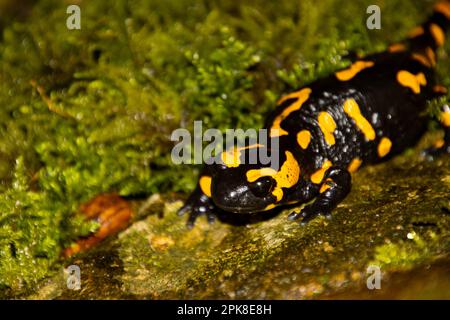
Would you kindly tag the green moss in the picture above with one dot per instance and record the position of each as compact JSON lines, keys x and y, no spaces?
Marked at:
{"x":405,"y":255}
{"x":90,"y":111}
{"x":32,"y":231}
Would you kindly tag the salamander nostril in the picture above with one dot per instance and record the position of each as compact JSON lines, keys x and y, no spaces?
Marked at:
{"x":263,"y":186}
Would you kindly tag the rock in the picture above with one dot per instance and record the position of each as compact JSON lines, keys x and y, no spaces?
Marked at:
{"x":396,"y":218}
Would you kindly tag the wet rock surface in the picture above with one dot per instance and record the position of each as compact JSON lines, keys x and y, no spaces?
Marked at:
{"x":396,"y":218}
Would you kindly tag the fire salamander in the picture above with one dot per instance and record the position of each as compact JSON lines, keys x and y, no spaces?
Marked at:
{"x":363,"y":114}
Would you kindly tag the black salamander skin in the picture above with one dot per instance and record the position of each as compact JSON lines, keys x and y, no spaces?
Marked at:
{"x":360,"y":115}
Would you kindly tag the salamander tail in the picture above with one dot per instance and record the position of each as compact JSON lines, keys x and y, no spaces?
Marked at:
{"x":432,"y":33}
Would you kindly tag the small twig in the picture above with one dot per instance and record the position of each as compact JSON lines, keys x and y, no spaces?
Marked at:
{"x":48,"y":101}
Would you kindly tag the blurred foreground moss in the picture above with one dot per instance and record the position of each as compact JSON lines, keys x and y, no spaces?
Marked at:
{"x":89,"y":111}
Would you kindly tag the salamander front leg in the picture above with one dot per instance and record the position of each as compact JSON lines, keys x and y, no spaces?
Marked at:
{"x":200,"y":202}
{"x":336,"y":186}
{"x":197,"y":204}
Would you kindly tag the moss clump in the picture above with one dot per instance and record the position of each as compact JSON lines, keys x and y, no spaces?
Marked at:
{"x":91,"y":110}
{"x":31,"y":233}
{"x":405,"y":255}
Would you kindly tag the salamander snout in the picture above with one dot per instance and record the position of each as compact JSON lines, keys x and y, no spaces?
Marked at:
{"x":232,"y":193}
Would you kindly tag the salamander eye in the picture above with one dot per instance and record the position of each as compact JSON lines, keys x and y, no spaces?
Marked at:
{"x":263,"y":186}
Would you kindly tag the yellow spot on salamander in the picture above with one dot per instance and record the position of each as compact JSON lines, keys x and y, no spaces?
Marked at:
{"x":326,"y":185}
{"x":353,"y":70}
{"x":304,"y":138}
{"x":396,"y":47}
{"x":232,"y":157}
{"x":327,"y":125}
{"x":286,"y":177}
{"x":439,"y":143}
{"x":324,"y":188}
{"x":354,"y":165}
{"x":422,"y":59}
{"x":278,"y":193}
{"x":445,"y":117}
{"x":351,"y":108}
{"x":407,"y":79}
{"x":255,"y":174}
{"x":301,"y":96}
{"x":205,"y":185}
{"x":417,"y":31}
{"x":438,"y":34}
{"x":439,"y":89}
{"x":431,"y":55}
{"x":317,"y":176}
{"x":443,"y":7}
{"x":384,"y":147}
{"x":269,"y":207}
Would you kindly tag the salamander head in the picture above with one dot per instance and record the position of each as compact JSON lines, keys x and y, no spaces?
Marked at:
{"x":231,"y":191}
{"x":252,"y":187}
